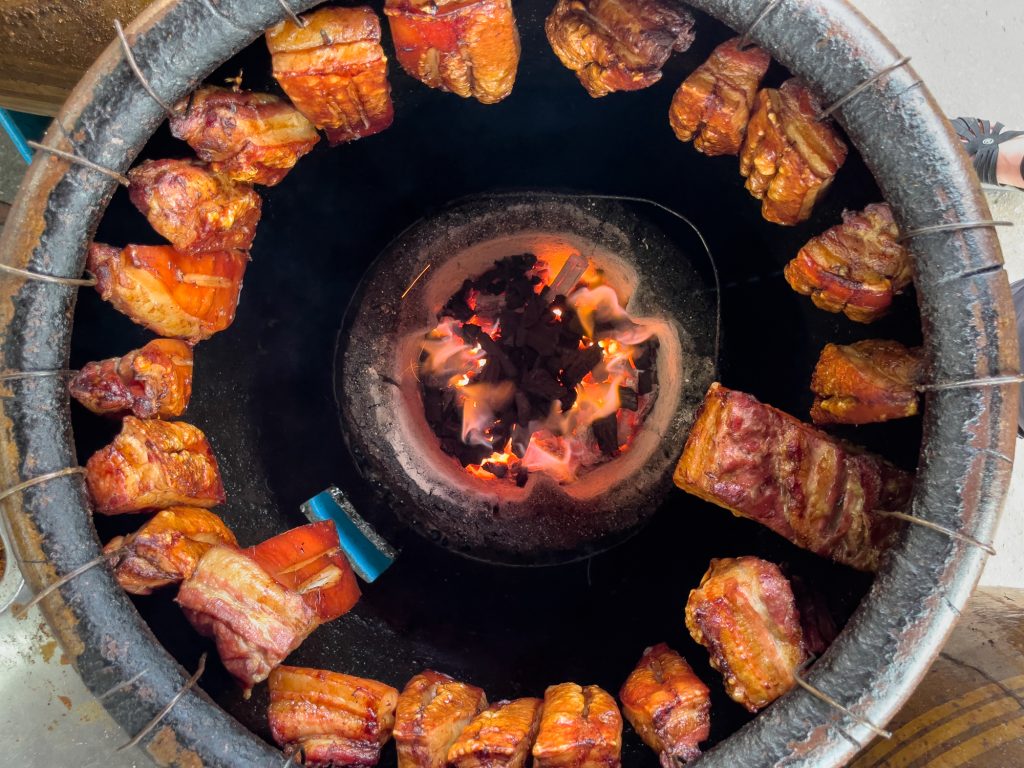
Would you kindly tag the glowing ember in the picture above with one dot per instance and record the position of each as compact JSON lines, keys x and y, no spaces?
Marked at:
{"x":529,"y":370}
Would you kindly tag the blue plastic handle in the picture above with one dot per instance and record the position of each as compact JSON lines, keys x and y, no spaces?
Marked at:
{"x":368,"y":553}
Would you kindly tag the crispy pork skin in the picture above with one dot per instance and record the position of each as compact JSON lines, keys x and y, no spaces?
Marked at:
{"x":580,"y":727}
{"x":499,"y":737}
{"x":167,"y":548}
{"x":745,"y":615}
{"x":151,"y":465}
{"x":334,"y":719}
{"x":712,"y":106}
{"x":467,"y":47}
{"x":254,"y":620}
{"x":617,"y":45}
{"x":815,"y":490}
{"x":152,"y":382}
{"x":789,"y":157}
{"x":196,"y":209}
{"x":334,"y":70}
{"x":856,"y":267}
{"x":667,"y":705}
{"x":173,"y":294}
{"x":867,"y":381}
{"x":432,"y":711}
{"x":249,"y":137}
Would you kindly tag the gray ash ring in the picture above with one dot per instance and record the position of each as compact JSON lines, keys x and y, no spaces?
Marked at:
{"x":381,"y":400}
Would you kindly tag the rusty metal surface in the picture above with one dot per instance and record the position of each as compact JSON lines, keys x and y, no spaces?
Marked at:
{"x":963,"y":295}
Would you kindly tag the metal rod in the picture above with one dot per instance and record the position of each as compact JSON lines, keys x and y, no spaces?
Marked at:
{"x":16,"y":375}
{"x":134,"y":66}
{"x":414,"y":281}
{"x":940,"y":529}
{"x":836,"y":705}
{"x":745,"y":37}
{"x":41,"y":479}
{"x":296,"y":19}
{"x":954,"y":227}
{"x":170,"y":705}
{"x":987,"y":381}
{"x":71,"y":157}
{"x":70,"y":576}
{"x":857,"y":90}
{"x":121,"y":686}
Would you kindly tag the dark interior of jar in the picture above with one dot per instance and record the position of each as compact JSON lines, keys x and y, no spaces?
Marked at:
{"x":263,"y":389}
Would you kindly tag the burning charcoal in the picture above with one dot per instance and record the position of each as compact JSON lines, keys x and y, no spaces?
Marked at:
{"x":646,"y":381}
{"x":582,"y":364}
{"x":543,"y":338}
{"x":569,"y":400}
{"x":520,"y":439}
{"x":521,"y":477}
{"x":645,"y":358}
{"x":540,"y":383}
{"x":471,"y":333}
{"x":627,"y":399}
{"x":498,"y":470}
{"x":496,"y":355}
{"x":606,"y":431}
{"x":458,"y":305}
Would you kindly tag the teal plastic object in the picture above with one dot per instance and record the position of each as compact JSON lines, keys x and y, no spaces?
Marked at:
{"x":369,"y":554}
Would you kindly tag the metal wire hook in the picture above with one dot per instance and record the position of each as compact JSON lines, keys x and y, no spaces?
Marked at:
{"x":106,"y":557}
{"x":745,"y":37}
{"x":170,"y":705}
{"x":835,"y":704}
{"x":40,"y":479}
{"x":296,"y":19}
{"x":940,"y":529}
{"x":17,"y":375}
{"x":953,"y":227}
{"x":987,"y":381}
{"x":134,"y":66}
{"x":71,"y":157}
{"x":857,"y":90}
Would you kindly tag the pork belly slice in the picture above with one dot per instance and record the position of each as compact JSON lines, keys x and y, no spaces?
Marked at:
{"x":254,"y":138}
{"x":167,"y":548}
{"x":819,"y":492}
{"x":856,"y":267}
{"x":309,"y":561}
{"x":499,"y":737}
{"x":789,"y":157}
{"x":745,"y":615}
{"x":154,"y":381}
{"x":151,"y":465}
{"x":196,"y":209}
{"x":432,"y":711}
{"x":334,"y":719}
{"x":466,"y":47}
{"x":865,"y":382}
{"x":580,"y":727}
{"x":253,"y":619}
{"x":667,"y":705}
{"x":334,"y":70}
{"x":712,"y":106}
{"x":617,"y":45}
{"x":173,"y":294}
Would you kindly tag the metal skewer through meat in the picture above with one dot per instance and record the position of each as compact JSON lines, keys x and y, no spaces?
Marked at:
{"x":617,"y":45}
{"x":815,"y":490}
{"x":744,"y":613}
{"x":432,"y":711}
{"x":789,"y":157}
{"x":856,"y":267}
{"x":331,"y":718}
{"x":712,"y":106}
{"x":173,"y":294}
{"x":153,"y":465}
{"x":667,"y":705}
{"x":334,"y":70}
{"x":868,"y":381}
{"x":248,"y":137}
{"x":152,"y":382}
{"x":467,"y":47}
{"x":167,"y":548}
{"x":499,"y":737}
{"x":580,"y":727}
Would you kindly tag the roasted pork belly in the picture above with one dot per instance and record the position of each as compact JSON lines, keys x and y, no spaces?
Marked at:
{"x":499,"y":737}
{"x":154,"y":381}
{"x":334,"y":70}
{"x":856,"y":267}
{"x":466,"y":47}
{"x":153,"y":464}
{"x":308,"y":560}
{"x":334,"y":719}
{"x":667,"y":705}
{"x":167,"y":548}
{"x":580,"y":728}
{"x":196,"y":209}
{"x":253,"y":619}
{"x":712,"y":106}
{"x":865,"y":382}
{"x":432,"y":711}
{"x":745,"y":615}
{"x":173,"y":294}
{"x":249,"y":137}
{"x":819,"y":492}
{"x":789,"y":157}
{"x":617,"y":45}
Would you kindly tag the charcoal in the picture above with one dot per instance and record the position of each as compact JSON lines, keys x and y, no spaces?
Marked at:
{"x":606,"y":431}
{"x":521,"y":477}
{"x":524,"y":411}
{"x":646,"y":381}
{"x":627,"y":399}
{"x":433,"y":404}
{"x":542,"y":338}
{"x":568,"y":400}
{"x":498,"y":470}
{"x":520,"y":440}
{"x":645,"y":358}
{"x":542,"y":384}
{"x":583,"y":363}
{"x":471,"y":333}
